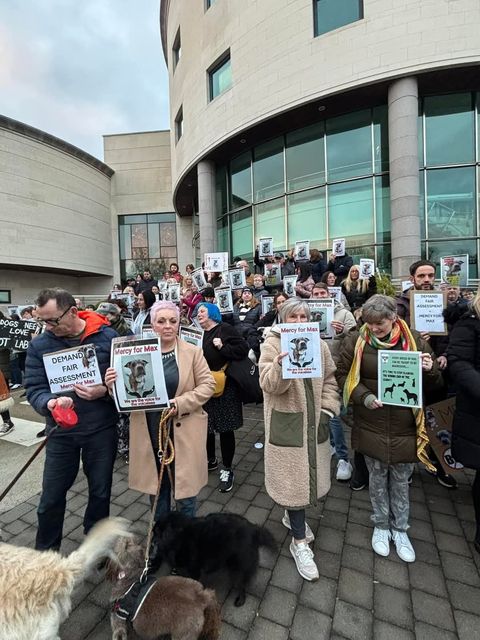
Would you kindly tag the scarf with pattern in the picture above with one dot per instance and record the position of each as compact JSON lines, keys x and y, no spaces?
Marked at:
{"x":400,"y":332}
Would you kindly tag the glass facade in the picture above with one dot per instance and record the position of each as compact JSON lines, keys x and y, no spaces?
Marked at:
{"x":220,"y":77}
{"x":147,"y":241}
{"x":332,"y":14}
{"x":331,"y":180}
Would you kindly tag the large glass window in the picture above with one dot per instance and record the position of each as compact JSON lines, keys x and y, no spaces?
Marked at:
{"x":222,"y":234}
{"x":220,"y":77}
{"x":305,"y":157}
{"x":454,"y":248}
{"x":349,"y":146}
{"x":268,"y":170}
{"x":382,"y":208}
{"x":306,"y":217}
{"x":451,"y":210}
{"x":270,"y":221}
{"x":241,"y":181}
{"x":221,"y":190}
{"x":449,"y":125}
{"x":350,"y":212}
{"x":332,"y":14}
{"x":241,"y":233}
{"x":380,"y":139}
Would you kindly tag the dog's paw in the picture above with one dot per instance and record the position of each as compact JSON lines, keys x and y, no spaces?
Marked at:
{"x":240,"y":599}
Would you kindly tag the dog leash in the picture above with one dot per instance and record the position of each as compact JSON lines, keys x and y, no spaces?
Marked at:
{"x":166,"y":455}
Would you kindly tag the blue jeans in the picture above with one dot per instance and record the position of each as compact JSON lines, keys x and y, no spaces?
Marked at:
{"x":63,"y":452}
{"x":337,"y":438}
{"x":187,"y":506}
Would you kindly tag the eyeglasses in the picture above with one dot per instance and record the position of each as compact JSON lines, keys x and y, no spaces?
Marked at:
{"x":55,"y":321}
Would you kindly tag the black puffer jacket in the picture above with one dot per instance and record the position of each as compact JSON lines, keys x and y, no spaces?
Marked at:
{"x":356,"y":297}
{"x":340,"y":267}
{"x":464,"y":365}
{"x":389,"y":433}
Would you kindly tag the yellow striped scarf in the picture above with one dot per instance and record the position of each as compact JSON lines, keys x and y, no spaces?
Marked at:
{"x":400,"y":331}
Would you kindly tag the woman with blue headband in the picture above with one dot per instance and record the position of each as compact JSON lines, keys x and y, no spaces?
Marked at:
{"x":221,"y":345}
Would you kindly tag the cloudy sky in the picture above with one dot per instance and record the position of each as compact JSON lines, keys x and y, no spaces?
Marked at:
{"x":83,"y":68}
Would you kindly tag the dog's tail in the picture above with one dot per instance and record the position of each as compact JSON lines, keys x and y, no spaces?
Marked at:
{"x":213,"y":621}
{"x":265,"y":539}
{"x":98,"y":544}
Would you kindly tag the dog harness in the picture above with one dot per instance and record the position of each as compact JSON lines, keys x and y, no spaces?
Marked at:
{"x":127,"y":606}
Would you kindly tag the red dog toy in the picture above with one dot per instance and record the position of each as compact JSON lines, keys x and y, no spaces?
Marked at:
{"x":65,"y":418}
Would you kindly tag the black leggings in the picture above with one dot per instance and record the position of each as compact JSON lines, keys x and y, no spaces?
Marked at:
{"x":476,"y":503}
{"x":227,"y":447}
{"x":6,"y":416}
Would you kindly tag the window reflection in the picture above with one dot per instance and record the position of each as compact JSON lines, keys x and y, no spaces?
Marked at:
{"x":242,"y":236}
{"x":449,"y":135}
{"x":451,"y":202}
{"x":268,"y":170}
{"x":270,"y":221}
{"x":349,"y":146}
{"x":240,"y":181}
{"x":305,"y":157}
{"x":306,"y":217}
{"x":350,"y":211}
{"x":454,"y":248}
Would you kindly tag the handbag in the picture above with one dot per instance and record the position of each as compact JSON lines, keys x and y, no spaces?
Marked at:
{"x":246,"y":376}
{"x":220,"y":380}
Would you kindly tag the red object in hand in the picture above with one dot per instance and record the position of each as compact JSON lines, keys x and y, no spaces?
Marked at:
{"x":65,"y":418}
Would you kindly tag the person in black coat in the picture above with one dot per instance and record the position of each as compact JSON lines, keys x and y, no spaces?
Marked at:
{"x":340,"y":265}
{"x":319,"y":264}
{"x":463,"y":357}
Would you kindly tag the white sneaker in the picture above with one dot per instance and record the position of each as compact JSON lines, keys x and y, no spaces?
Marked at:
{"x":303,"y":556}
{"x":381,"y":541}
{"x":6,"y":428}
{"x":15,"y":386}
{"x":344,"y":470}
{"x":309,"y":537}
{"x":403,"y":546}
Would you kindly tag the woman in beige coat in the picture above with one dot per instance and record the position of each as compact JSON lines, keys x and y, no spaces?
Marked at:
{"x":189,"y":385}
{"x":297,"y":437}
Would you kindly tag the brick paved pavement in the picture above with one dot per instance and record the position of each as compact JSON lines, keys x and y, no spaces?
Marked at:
{"x":359,"y":596}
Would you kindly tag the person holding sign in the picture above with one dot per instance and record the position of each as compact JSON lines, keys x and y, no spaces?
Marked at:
{"x":358,"y":290}
{"x":340,"y":265}
{"x":189,"y":385}
{"x":297,"y":443}
{"x":94,"y":438}
{"x":305,"y":282}
{"x":392,"y":438}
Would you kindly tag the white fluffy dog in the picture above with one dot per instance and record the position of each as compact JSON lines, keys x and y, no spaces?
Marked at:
{"x":36,"y":586}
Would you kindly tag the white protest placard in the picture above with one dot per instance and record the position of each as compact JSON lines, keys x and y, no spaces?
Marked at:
{"x":66,"y":368}
{"x":302,"y":251}
{"x":216,"y":262}
{"x":302,"y":343}
{"x":426,"y":311}
{"x":265,"y":247}
{"x":406,"y":285}
{"x":140,"y":384}
{"x":174,"y":293}
{"x":454,"y":270}
{"x":335,"y":293}
{"x":289,"y":283}
{"x":236,"y":278}
{"x":273,"y":275}
{"x":338,"y":247}
{"x":199,"y":280}
{"x":400,"y":378}
{"x":367,"y":268}
{"x":223,"y":298}
{"x":321,"y":311}
{"x":148,"y":332}
{"x":192,"y":335}
{"x":267,"y":304}
{"x":162,"y":286}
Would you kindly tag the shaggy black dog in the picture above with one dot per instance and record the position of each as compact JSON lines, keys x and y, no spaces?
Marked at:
{"x":200,"y":547}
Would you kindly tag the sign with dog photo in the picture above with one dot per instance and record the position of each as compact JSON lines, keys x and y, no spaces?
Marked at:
{"x":367,"y":268}
{"x":335,"y":293}
{"x":289,"y":283}
{"x":66,"y":368}
{"x":216,"y":262}
{"x":321,"y":311}
{"x":273,"y":274}
{"x":140,"y":384}
{"x":400,"y":378}
{"x":302,"y":251}
{"x":438,"y":422}
{"x":301,"y":341}
{"x":223,"y":299}
{"x":265,"y":247}
{"x":192,"y":335}
{"x":454,"y":270}
{"x":267,"y":304}
{"x":338,"y":247}
{"x":199,"y":280}
{"x":236,"y":279}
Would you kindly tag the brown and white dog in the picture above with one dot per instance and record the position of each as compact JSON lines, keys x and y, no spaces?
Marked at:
{"x":178,"y":606}
{"x":36,"y":586}
{"x":137,"y":376}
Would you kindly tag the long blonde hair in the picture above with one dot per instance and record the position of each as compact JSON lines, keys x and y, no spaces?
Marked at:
{"x":361,"y":284}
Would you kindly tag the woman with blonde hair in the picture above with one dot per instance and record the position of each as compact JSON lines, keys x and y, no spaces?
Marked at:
{"x":358,"y":290}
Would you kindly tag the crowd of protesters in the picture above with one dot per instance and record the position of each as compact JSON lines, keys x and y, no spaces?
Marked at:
{"x":386,"y":440}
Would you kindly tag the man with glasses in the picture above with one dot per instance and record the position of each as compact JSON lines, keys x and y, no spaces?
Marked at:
{"x":94,"y":438}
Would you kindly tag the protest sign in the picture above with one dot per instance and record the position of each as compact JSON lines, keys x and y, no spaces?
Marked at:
{"x":66,"y":368}
{"x":223,"y":297}
{"x":140,"y":384}
{"x":265,"y":247}
{"x":400,"y":378}
{"x":216,"y":262}
{"x":321,"y":311}
{"x":426,"y":312}
{"x":302,"y":251}
{"x":406,"y":285}
{"x":289,"y":283}
{"x":438,"y":422}
{"x":148,"y":332}
{"x":192,"y":335}
{"x":367,"y":268}
{"x":454,"y":270}
{"x":302,"y":343}
{"x":199,"y":280}
{"x":273,"y":274}
{"x":174,"y":293}
{"x":16,"y":334}
{"x":236,"y":279}
{"x":335,"y":293}
{"x":267,"y":304}
{"x":338,"y":247}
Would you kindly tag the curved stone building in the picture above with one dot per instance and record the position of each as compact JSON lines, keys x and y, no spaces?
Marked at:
{"x":318,"y":119}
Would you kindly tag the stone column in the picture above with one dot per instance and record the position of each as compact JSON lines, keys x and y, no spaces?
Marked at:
{"x":206,"y":207}
{"x":404,"y":177}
